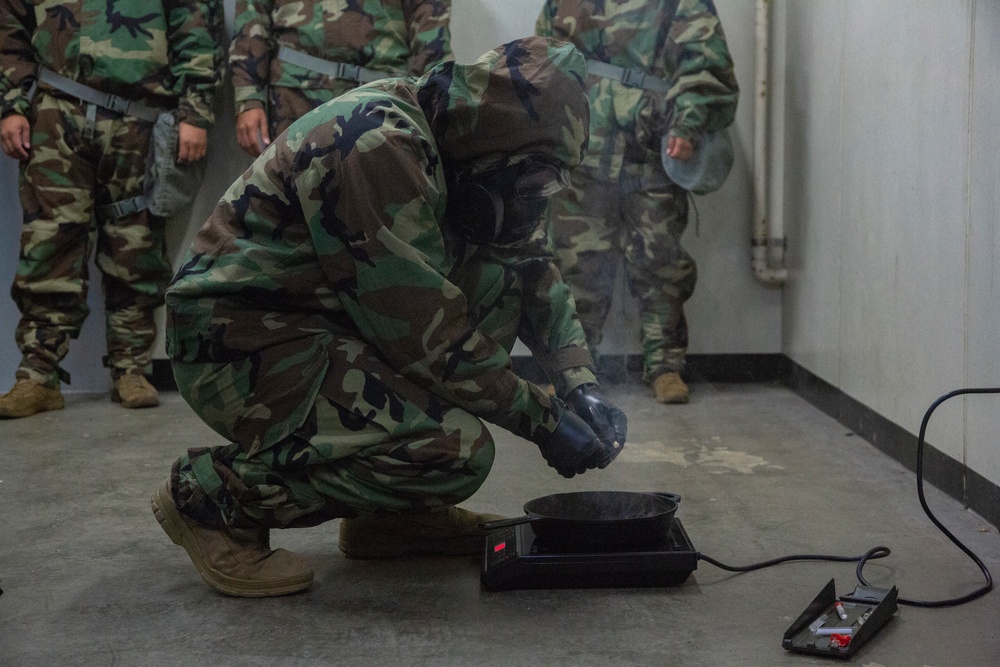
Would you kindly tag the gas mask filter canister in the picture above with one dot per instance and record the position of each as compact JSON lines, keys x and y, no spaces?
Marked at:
{"x":502,"y":206}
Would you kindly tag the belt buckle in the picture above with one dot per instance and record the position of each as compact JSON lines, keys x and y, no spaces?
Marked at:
{"x":633,"y":78}
{"x":350,"y":72}
{"x":117,"y":104}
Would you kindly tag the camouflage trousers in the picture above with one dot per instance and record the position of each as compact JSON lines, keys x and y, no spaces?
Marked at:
{"x":372,"y":441}
{"x":61,"y":183}
{"x":639,"y":219}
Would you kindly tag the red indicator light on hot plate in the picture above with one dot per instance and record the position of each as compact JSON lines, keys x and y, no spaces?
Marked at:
{"x":500,"y":547}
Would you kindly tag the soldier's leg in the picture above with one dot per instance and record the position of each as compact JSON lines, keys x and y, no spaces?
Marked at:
{"x":661,"y":274}
{"x":374,"y":442}
{"x":583,"y":221}
{"x":50,"y":286}
{"x":132,"y":256}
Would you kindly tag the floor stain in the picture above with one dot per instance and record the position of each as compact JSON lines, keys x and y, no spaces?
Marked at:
{"x":716,"y":459}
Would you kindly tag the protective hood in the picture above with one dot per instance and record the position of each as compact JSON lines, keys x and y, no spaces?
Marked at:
{"x":524,"y":97}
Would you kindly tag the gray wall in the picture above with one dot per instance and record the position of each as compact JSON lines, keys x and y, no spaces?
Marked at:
{"x":892,"y":160}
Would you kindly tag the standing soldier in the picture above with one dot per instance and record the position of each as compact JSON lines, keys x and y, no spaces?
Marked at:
{"x":290,"y":56}
{"x":657,"y":67}
{"x":105,"y":70}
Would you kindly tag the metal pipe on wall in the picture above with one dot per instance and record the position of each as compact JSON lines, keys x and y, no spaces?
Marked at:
{"x":768,"y":242}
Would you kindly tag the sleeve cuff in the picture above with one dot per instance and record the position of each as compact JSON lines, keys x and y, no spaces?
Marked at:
{"x":195,"y":111}
{"x":19,"y":105}
{"x":684,"y":132}
{"x":248,"y":105}
{"x":572,"y":378}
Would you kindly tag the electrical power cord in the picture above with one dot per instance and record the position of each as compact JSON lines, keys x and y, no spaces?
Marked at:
{"x":882,"y":552}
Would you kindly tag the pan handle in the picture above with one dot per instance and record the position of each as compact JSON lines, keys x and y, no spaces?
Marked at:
{"x":669,"y":496}
{"x":507,"y":523}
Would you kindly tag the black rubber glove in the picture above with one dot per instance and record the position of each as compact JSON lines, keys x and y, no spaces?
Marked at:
{"x":573,"y":448}
{"x":609,"y":423}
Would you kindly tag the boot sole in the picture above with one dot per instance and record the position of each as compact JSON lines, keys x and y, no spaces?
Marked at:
{"x":57,"y":404}
{"x":173,"y":524}
{"x":677,"y":399}
{"x":143,"y":403}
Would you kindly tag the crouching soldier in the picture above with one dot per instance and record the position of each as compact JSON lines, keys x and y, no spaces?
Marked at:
{"x":345,"y":316}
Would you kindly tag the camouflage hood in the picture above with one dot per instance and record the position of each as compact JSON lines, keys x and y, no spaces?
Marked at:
{"x":525,"y":97}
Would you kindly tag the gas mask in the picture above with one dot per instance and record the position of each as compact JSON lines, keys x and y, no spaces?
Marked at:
{"x":502,"y":206}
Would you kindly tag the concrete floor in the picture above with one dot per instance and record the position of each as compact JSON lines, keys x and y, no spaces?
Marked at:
{"x":90,"y":579}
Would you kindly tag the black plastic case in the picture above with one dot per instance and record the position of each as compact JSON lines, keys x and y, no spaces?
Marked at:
{"x":868,"y":609}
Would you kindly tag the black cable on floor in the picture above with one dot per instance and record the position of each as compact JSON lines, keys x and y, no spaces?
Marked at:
{"x":877,"y":552}
{"x":988,"y":586}
{"x":882,"y":552}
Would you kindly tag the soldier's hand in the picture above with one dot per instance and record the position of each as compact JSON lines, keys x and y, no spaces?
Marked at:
{"x":573,"y":448}
{"x":192,"y":143}
{"x":679,"y":149}
{"x":251,"y":131}
{"x":607,"y":420}
{"x":15,"y":136}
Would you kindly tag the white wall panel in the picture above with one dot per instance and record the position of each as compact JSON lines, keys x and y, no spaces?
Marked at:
{"x":732,"y":312}
{"x":479,"y":25}
{"x":983,"y":357}
{"x":814,"y":142}
{"x":893,"y":161}
{"x":905,"y":100}
{"x":10,"y":232}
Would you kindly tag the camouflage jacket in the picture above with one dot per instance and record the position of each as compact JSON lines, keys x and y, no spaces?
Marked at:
{"x":401,"y":37}
{"x":165,"y":54}
{"x":679,"y":41}
{"x":338,"y":230}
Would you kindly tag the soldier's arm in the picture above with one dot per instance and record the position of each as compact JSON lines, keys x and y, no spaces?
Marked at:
{"x":543,"y":26}
{"x":428,"y":32}
{"x":250,"y":66}
{"x":382,"y":208}
{"x":17,"y":58}
{"x":250,"y":53}
{"x":703,"y":90}
{"x":195,"y":32}
{"x":549,"y":325}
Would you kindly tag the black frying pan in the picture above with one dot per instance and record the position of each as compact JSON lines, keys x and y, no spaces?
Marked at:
{"x":598,"y":519}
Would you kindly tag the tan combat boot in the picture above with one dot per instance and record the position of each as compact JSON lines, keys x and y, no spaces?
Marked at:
{"x":670,"y":388}
{"x":451,"y":532}
{"x":241,"y":569}
{"x":28,"y":397}
{"x":133,"y":390}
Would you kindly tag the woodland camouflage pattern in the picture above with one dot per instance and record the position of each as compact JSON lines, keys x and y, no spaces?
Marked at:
{"x":399,"y":37}
{"x":328,"y":323}
{"x":150,"y":52}
{"x":621,"y":203}
{"x":680,"y":41}
{"x":58,"y":196}
{"x":162,"y":54}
